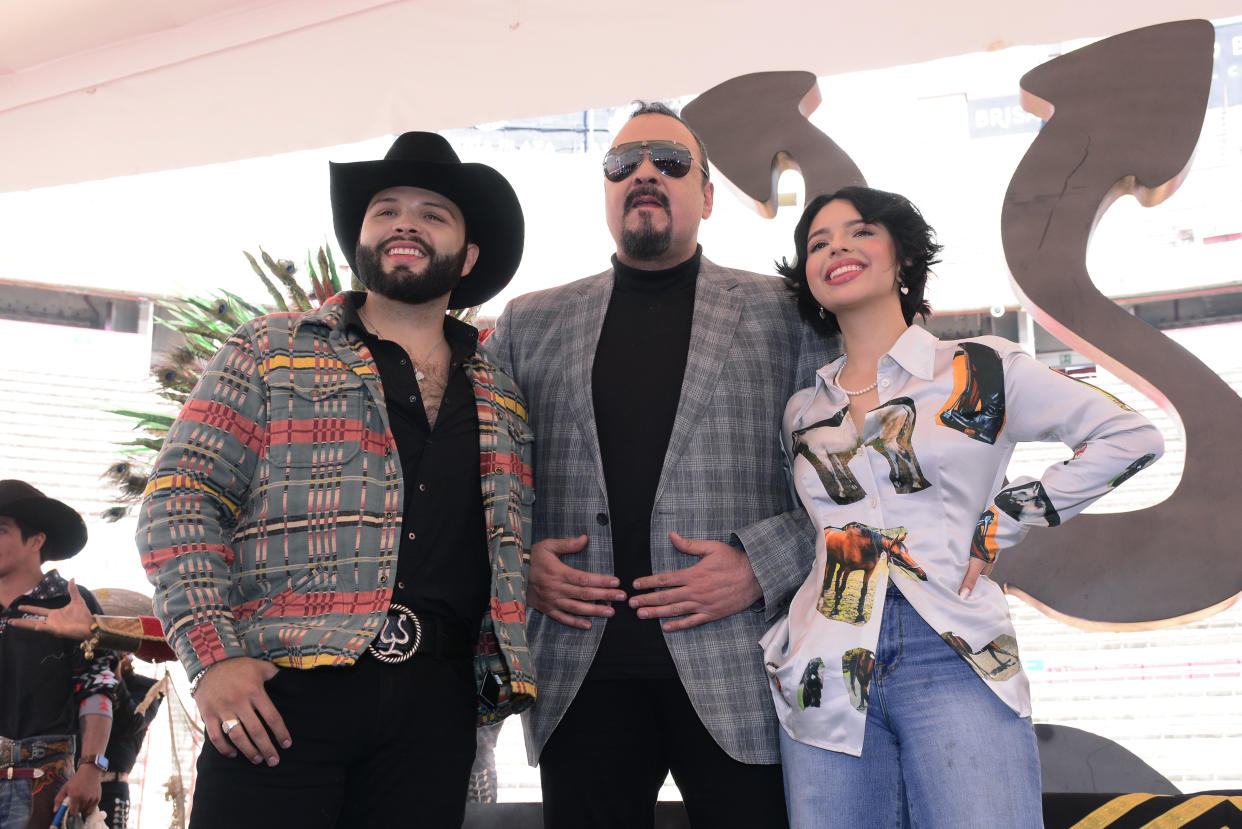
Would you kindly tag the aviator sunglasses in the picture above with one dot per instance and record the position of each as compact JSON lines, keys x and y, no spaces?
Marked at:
{"x":670,"y":158}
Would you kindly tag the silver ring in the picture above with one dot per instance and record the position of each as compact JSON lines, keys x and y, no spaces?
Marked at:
{"x":228,"y":725}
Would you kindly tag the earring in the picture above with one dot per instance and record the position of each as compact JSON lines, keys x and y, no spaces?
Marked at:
{"x":822,"y":313}
{"x":905,"y":289}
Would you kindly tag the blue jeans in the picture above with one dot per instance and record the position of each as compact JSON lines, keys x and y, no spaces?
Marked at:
{"x":940,"y":750}
{"x":14,"y":804}
{"x":29,"y":802}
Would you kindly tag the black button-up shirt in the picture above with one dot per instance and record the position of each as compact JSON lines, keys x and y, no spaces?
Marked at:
{"x":43,"y":679}
{"x":442,"y":566}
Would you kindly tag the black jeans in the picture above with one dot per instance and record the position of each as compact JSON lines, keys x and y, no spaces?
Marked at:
{"x":371,"y":743}
{"x":605,"y":762}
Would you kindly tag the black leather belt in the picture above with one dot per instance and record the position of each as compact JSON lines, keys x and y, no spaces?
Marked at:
{"x":34,"y":750}
{"x":406,"y":633}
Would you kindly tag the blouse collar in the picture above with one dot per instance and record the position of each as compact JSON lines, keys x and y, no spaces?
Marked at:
{"x":914,"y":351}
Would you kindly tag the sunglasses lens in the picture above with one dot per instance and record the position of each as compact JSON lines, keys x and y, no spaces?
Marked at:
{"x":671,"y":159}
{"x":673,"y":162}
{"x":619,"y":165}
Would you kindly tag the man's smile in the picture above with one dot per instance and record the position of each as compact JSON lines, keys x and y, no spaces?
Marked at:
{"x":405,"y":248}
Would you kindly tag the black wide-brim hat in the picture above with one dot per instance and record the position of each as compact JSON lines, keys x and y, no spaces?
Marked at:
{"x":493,"y":214}
{"x":64,"y":528}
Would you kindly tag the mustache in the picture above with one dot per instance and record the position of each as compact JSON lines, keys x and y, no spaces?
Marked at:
{"x":643,"y":191}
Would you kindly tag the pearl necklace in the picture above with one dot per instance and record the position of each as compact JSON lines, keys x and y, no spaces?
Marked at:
{"x":837,"y":380}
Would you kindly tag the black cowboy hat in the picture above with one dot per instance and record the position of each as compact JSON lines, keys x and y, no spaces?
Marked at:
{"x":493,"y":214}
{"x":64,"y":528}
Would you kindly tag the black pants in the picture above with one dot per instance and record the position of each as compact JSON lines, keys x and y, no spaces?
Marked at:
{"x":371,"y":743}
{"x":605,"y":762}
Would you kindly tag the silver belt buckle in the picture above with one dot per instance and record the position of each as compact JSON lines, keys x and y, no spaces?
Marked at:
{"x":399,"y":638}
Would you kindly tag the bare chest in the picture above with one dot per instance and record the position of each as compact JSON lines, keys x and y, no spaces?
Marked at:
{"x":432,"y":377}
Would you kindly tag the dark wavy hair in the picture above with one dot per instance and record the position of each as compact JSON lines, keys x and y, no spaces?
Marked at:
{"x":913,"y":238}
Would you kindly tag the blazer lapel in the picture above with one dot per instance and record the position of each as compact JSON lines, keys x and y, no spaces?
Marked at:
{"x":716,"y":313}
{"x":585,"y":321}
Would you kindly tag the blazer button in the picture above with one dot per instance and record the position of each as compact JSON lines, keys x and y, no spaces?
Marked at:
{"x":601,"y":519}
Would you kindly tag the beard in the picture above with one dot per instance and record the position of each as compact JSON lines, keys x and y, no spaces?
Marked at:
{"x":438,"y":277}
{"x":646,"y":242}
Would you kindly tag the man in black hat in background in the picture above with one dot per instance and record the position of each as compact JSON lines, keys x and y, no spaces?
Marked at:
{"x":53,"y":699}
{"x":337,"y":525}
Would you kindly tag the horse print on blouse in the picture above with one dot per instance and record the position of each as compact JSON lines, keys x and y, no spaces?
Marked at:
{"x":983,"y":543}
{"x":829,"y":446}
{"x":976,"y":406}
{"x":811,"y":688}
{"x":857,"y":667}
{"x":995,"y":662}
{"x":892,"y":438}
{"x":868,"y":551}
{"x":1028,"y":503}
{"x":1132,"y":470}
{"x":829,"y":449}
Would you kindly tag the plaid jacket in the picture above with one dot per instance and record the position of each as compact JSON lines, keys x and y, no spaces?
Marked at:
{"x":722,"y":478}
{"x":271,"y":522}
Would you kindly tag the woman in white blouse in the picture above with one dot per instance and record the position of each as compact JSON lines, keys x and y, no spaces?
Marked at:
{"x":896,"y":673}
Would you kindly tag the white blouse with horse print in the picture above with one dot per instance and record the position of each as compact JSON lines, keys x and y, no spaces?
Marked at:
{"x":914,"y":497}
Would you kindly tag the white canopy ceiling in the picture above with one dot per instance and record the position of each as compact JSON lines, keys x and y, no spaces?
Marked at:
{"x":94,"y":89}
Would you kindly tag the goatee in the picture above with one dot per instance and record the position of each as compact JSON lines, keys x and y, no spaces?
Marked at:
{"x":646,"y":242}
{"x":438,"y":277}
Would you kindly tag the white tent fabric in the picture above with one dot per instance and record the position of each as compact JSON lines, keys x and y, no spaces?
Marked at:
{"x":92,"y":89}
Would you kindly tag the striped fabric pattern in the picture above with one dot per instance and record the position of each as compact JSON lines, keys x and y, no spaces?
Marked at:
{"x":270,"y":524}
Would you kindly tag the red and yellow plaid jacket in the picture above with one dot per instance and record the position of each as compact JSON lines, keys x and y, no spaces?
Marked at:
{"x":270,"y":524}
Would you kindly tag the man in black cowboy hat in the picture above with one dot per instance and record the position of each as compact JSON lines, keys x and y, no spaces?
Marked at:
{"x":52,"y":698}
{"x":337,"y":524}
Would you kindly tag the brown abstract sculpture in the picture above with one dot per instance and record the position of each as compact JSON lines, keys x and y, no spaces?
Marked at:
{"x":1123,"y":117}
{"x":756,"y":126}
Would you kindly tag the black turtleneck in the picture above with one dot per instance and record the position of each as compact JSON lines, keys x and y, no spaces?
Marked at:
{"x":636,"y":385}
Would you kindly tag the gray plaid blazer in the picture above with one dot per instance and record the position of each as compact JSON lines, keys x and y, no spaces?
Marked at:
{"x":723,"y":476}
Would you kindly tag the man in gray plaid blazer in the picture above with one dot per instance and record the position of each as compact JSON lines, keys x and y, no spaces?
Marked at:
{"x":666,"y":535}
